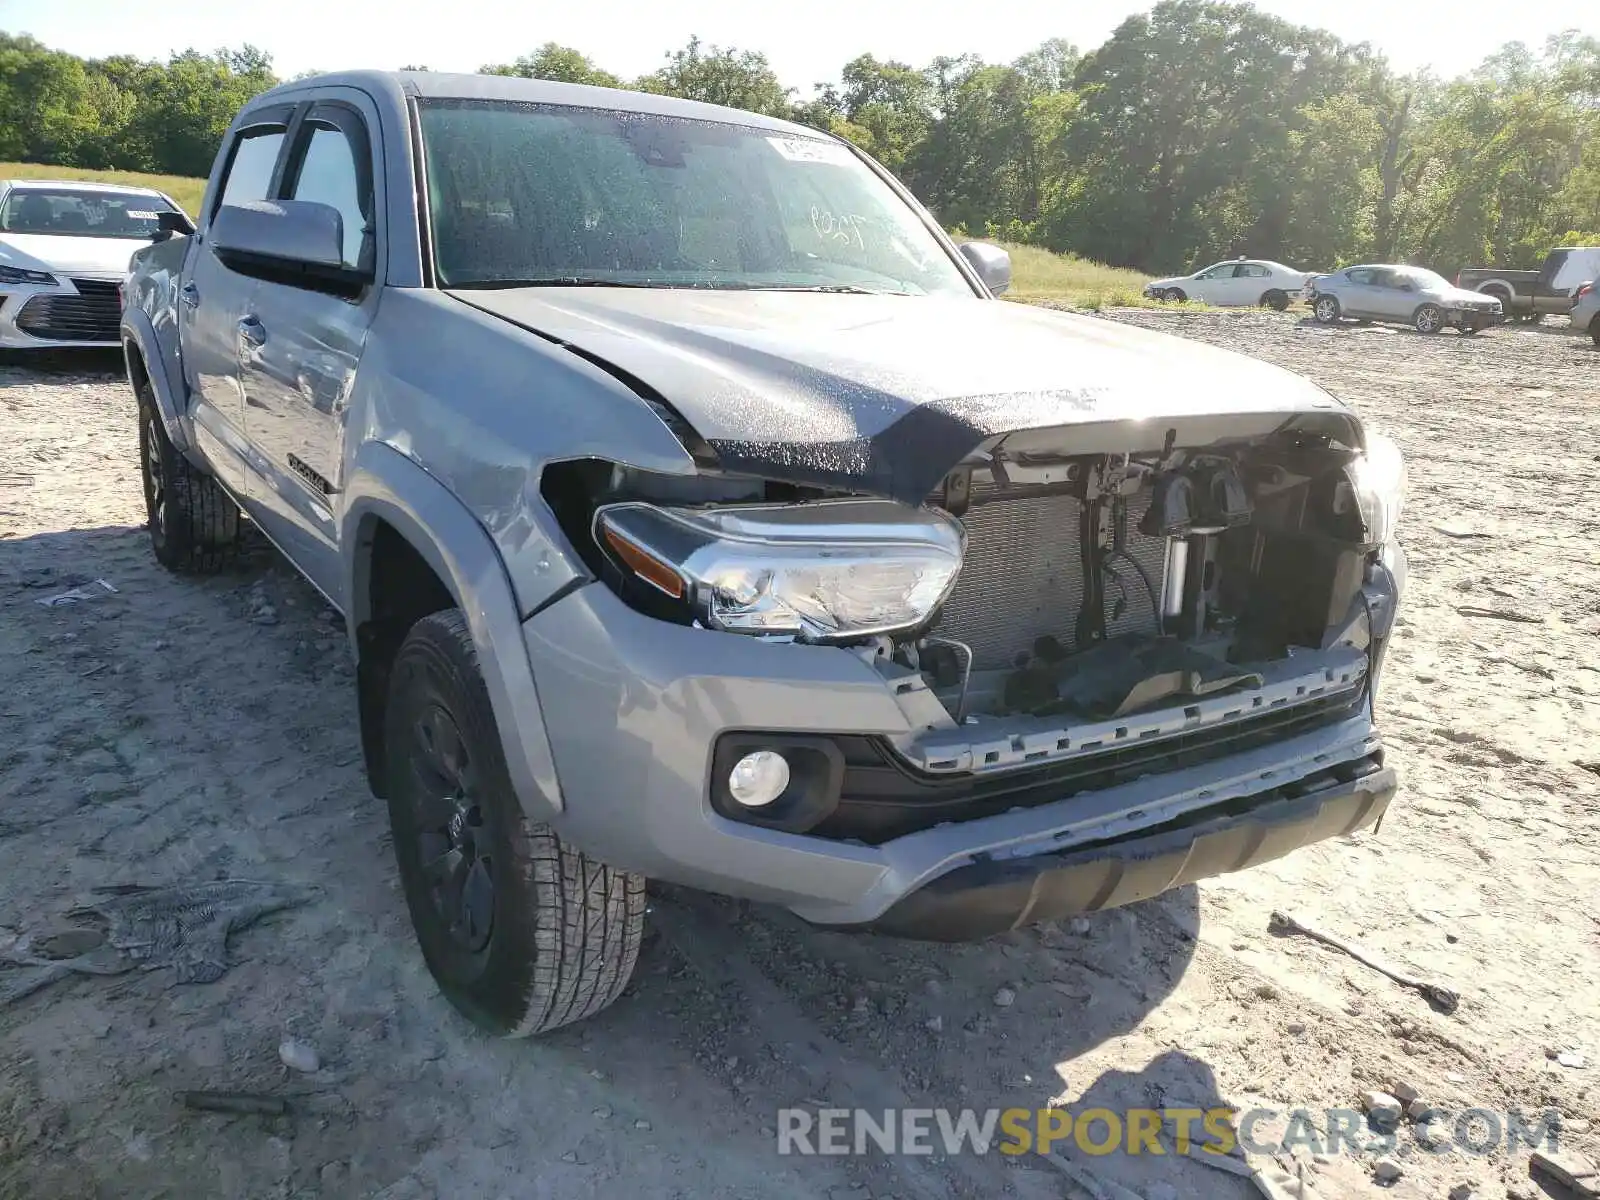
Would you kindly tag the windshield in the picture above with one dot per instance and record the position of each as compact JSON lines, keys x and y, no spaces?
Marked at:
{"x":1424,"y":279}
{"x":102,"y":214}
{"x":525,"y":193}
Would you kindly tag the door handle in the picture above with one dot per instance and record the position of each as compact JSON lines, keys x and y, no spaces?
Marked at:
{"x":252,"y":334}
{"x":190,"y":295}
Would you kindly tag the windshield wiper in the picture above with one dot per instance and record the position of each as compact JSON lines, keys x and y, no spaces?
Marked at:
{"x":555,"y":281}
{"x":844,"y":289}
{"x":708,"y":285}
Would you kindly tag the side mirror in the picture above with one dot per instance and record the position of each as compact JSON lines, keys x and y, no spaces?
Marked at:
{"x":168,"y":223}
{"x":299,"y":240}
{"x":992,"y":264}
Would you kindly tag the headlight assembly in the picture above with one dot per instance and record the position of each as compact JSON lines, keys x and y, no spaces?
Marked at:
{"x":18,"y":275}
{"x":818,"y":572}
{"x":1379,"y":480}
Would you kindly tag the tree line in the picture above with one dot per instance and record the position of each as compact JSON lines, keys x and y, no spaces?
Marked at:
{"x":1199,"y":130}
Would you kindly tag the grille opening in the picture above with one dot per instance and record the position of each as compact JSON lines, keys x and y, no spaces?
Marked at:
{"x":93,"y":315}
{"x":1211,"y":568}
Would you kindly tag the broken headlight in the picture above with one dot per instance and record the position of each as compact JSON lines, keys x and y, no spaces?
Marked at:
{"x":1379,"y":480}
{"x":820,"y":572}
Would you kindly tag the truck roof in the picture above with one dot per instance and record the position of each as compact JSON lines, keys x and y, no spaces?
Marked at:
{"x":432,"y":85}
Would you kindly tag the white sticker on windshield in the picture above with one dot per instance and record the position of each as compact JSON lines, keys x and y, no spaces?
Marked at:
{"x":139,"y":214}
{"x":811,"y":150}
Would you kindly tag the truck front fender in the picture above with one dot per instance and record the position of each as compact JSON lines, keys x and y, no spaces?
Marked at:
{"x":386,"y":486}
{"x":142,"y":352}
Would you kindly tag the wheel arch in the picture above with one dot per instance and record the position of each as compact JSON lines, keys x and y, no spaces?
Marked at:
{"x":396,"y":517}
{"x":140,"y":348}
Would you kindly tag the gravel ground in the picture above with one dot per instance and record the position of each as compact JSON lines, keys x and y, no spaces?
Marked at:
{"x":178,"y":731}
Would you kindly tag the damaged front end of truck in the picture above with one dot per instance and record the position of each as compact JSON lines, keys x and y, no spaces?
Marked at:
{"x":1058,"y":609}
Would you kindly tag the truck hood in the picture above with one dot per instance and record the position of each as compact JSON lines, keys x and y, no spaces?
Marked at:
{"x":62,"y":254}
{"x":888,"y":393}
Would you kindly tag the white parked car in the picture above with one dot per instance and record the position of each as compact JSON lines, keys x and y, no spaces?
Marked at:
{"x":1237,"y":281}
{"x":64,"y":250}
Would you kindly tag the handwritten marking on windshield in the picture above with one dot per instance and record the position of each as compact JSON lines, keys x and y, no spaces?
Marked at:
{"x":843,"y":227}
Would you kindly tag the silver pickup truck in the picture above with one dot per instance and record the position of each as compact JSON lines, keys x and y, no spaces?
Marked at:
{"x":697,"y":513}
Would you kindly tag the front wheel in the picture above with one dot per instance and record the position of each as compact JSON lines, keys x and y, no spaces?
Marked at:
{"x":1326,"y":309}
{"x":1176,"y":295}
{"x":522,"y":932}
{"x":193,"y":522}
{"x":1276,"y":299}
{"x":1428,"y":319}
{"x":1594,"y":329}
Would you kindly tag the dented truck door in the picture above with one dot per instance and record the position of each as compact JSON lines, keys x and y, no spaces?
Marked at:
{"x":303,"y":339}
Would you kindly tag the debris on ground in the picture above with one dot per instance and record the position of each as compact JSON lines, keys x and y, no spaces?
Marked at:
{"x":1499,"y":614}
{"x":1382,"y":1108}
{"x":299,"y":1056}
{"x":185,"y":928}
{"x":1443,"y":999}
{"x":1578,"y":1175}
{"x":78,"y":594}
{"x":235,"y":1102}
{"x":1097,"y":1187}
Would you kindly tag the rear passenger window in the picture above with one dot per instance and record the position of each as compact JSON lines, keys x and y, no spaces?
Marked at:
{"x":250,"y":172}
{"x":328,"y":175}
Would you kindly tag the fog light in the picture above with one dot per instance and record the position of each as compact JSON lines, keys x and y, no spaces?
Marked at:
{"x":759,"y":778}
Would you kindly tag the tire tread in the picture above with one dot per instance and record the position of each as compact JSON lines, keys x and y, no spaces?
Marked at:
{"x":588,"y":917}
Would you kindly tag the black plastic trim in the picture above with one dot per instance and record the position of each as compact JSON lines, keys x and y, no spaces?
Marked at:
{"x":883,"y":797}
{"x":993,"y":896}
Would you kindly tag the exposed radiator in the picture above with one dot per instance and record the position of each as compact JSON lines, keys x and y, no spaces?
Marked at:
{"x":1023,"y":578}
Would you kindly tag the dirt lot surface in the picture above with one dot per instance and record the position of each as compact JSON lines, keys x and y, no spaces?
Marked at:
{"x":181,"y":731}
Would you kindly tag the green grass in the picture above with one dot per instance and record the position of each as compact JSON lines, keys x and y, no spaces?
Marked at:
{"x":187,"y":192}
{"x":1042,"y":276}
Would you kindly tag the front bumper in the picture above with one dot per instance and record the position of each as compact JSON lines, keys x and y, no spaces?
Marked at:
{"x":1473,"y":318}
{"x":634,"y":708}
{"x":991,"y":897}
{"x":61,"y":316}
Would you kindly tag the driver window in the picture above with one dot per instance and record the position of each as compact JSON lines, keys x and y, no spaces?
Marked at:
{"x":327,"y":174}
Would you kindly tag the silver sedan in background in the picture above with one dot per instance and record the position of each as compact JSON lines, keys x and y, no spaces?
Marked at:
{"x":1402,"y":295}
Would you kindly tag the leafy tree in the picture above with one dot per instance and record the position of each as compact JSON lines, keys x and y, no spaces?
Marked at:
{"x":560,"y":63}
{"x":1200,"y":128}
{"x":735,"y":78}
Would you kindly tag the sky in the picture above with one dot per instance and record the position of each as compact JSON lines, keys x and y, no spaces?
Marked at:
{"x":807,"y":42}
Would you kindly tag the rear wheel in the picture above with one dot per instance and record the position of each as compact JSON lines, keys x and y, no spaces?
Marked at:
{"x":1428,"y":319}
{"x":1277,"y":299}
{"x":1326,"y":309}
{"x":194,"y":524}
{"x":522,"y":932}
{"x":1594,"y":329}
